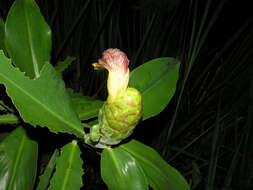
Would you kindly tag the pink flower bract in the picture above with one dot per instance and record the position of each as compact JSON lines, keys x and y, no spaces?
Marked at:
{"x":113,"y":60}
{"x":116,"y":62}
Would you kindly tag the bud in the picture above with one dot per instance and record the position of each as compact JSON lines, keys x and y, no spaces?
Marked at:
{"x":122,"y":109}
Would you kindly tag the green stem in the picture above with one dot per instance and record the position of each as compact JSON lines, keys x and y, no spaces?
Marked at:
{"x":85,"y":125}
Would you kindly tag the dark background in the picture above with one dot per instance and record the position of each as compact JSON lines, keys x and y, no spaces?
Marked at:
{"x":210,"y":116}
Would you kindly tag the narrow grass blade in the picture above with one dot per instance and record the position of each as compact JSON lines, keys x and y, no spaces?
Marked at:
{"x":214,"y":152}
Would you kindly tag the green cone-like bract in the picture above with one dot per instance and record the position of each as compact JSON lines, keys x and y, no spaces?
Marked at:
{"x":119,"y":116}
{"x":122,"y":109}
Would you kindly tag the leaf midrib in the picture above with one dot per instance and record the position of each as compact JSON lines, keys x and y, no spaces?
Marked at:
{"x":42,"y":105}
{"x":31,"y":47}
{"x":112,"y":154}
{"x":66,"y":177}
{"x":145,"y":160}
{"x":154,"y":82}
{"x":17,"y":160}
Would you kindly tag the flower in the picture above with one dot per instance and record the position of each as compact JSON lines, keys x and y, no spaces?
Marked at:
{"x":116,"y":62}
{"x":123,"y":107}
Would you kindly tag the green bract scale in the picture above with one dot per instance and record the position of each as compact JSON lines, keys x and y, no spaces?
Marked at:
{"x":119,"y":116}
{"x":123,"y":107}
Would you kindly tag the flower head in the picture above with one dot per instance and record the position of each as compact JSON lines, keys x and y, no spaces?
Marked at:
{"x":123,"y":108}
{"x":116,"y":62}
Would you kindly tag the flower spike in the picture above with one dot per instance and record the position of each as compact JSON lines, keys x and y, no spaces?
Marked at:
{"x":123,"y":107}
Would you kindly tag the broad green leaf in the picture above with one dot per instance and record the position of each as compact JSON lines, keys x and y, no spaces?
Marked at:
{"x":156,"y":80}
{"x":8,"y":119}
{"x":120,"y":171}
{"x":18,"y":161}
{"x":3,"y":135}
{"x":27,"y":37}
{"x":86,"y":107}
{"x":45,"y":178}
{"x":160,"y":175}
{"x":68,"y":174}
{"x":62,"y":65}
{"x":42,"y":101}
{"x":72,"y":93}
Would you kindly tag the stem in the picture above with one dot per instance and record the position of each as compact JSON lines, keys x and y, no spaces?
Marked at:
{"x":85,"y":125}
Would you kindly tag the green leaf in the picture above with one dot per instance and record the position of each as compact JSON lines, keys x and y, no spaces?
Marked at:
{"x":120,"y":171}
{"x":160,"y":175}
{"x":72,"y":93}
{"x":4,"y":107}
{"x":1,"y":108}
{"x":18,"y":161}
{"x":2,"y":43}
{"x":3,"y":135}
{"x":42,"y":101}
{"x":8,"y":119}
{"x":156,"y":80}
{"x":1,"y":32}
{"x":93,"y":122}
{"x":45,"y":178}
{"x":69,"y":170}
{"x":86,"y":107}
{"x":62,"y":65}
{"x":27,"y":37}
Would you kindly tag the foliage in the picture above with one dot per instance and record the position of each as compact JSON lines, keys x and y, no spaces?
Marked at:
{"x":68,"y":174}
{"x":209,"y":143}
{"x":45,"y":96}
{"x":39,"y":98}
{"x":18,"y":161}
{"x":34,"y":37}
{"x":153,"y":78}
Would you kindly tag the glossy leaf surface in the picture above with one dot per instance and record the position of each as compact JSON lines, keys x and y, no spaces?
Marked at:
{"x":45,"y":178}
{"x":68,"y":174}
{"x":160,"y":175}
{"x":27,"y":37}
{"x":42,"y":101}
{"x":18,"y":161}
{"x":156,"y":80}
{"x":120,"y":171}
{"x":86,"y":107}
